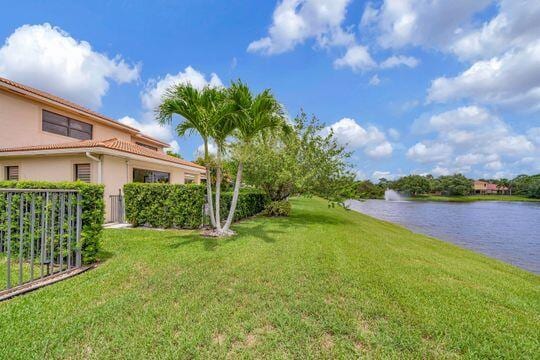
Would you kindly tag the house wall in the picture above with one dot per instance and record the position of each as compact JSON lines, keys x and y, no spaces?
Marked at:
{"x":48,"y":168}
{"x":117,"y":172}
{"x":20,"y":121}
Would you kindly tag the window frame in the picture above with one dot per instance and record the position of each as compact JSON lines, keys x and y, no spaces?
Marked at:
{"x":151,"y":173}
{"x":75,"y":129}
{"x":76,"y":172}
{"x":7,"y":172}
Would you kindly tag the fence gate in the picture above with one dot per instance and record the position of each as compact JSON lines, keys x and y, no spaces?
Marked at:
{"x":117,"y":208}
{"x":40,"y":235}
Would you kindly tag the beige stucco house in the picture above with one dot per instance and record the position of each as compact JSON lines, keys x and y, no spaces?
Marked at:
{"x":44,"y":137}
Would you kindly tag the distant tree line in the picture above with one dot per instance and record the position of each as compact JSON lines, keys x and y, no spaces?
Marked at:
{"x":449,"y":185}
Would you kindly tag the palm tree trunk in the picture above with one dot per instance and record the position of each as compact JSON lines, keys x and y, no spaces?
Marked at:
{"x":209,"y":186}
{"x":218,"y":189}
{"x":236,"y":192}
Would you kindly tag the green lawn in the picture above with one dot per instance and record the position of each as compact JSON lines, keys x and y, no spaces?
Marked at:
{"x":471,"y":198}
{"x":323,"y":283}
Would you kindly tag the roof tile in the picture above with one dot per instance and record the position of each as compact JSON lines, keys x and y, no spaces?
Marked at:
{"x":113,"y":144}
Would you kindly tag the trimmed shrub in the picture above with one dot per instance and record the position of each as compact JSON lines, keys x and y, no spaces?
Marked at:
{"x":93,"y":210}
{"x":249,"y":203}
{"x":278,"y":208}
{"x":181,"y":206}
{"x":164,"y":205}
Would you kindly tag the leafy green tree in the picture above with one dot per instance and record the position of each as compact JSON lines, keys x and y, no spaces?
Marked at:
{"x":533,"y":189}
{"x":306,"y":161}
{"x":366,"y":189}
{"x":456,"y":185}
{"x":522,"y":184}
{"x":413,"y":185}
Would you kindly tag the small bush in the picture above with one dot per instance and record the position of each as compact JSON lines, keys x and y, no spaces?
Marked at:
{"x":278,"y":208}
{"x":93,"y":210}
{"x":181,"y":206}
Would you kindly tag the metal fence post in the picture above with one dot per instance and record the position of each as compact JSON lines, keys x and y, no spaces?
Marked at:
{"x":78,"y":236}
{"x":32,"y":234}
{"x":8,"y":239}
{"x":21,"y":236}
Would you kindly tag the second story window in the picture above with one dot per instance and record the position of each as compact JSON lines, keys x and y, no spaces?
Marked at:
{"x":63,"y":125}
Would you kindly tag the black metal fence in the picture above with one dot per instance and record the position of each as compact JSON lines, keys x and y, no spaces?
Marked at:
{"x":117,"y":213}
{"x":40,"y":234}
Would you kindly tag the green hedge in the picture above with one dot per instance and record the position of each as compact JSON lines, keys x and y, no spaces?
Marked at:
{"x":249,"y":203}
{"x":93,"y":210}
{"x":181,"y":206}
{"x":163,"y":205}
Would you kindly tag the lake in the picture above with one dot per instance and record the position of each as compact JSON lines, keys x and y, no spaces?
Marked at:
{"x":509,"y":231}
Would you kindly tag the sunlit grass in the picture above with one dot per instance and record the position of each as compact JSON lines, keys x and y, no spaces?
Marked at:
{"x":323,"y":283}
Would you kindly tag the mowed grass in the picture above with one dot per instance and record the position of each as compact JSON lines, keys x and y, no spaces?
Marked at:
{"x":324,"y":283}
{"x":471,"y":198}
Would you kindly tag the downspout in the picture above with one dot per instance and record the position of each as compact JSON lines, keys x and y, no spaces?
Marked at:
{"x":100,"y":165}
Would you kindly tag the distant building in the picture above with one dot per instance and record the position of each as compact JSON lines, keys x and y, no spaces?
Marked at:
{"x":484,"y":188}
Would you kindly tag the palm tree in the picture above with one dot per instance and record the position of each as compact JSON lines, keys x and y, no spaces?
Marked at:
{"x":503,"y":183}
{"x":253,"y":116}
{"x":223,"y":126}
{"x":199,"y":110}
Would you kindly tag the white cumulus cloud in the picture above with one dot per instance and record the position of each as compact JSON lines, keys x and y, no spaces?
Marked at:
{"x":374,"y":80}
{"x":428,"y":152}
{"x":153,"y":129}
{"x":470,"y":137}
{"x":212,"y":149}
{"x":351,"y":134}
{"x":357,"y":58}
{"x":398,"y":60}
{"x":155,"y":88}
{"x":513,"y":79}
{"x":48,"y":58}
{"x":174,"y":147}
{"x":515,"y":26}
{"x":421,"y":22}
{"x":295,"y":21}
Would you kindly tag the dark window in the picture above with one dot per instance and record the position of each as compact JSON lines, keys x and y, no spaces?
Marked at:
{"x":150,"y":176}
{"x":189,"y":179}
{"x":63,"y":125}
{"x":82,"y":172}
{"x":12,"y":173}
{"x":147,"y":146}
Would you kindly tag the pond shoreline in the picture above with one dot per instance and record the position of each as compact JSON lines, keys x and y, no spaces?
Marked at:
{"x":503,"y":230}
{"x":473,"y":198}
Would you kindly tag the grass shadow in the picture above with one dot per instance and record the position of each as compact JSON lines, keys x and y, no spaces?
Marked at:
{"x":260,"y":231}
{"x":104,"y":255}
{"x":184,"y":240}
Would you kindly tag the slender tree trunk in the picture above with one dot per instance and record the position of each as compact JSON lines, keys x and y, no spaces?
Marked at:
{"x":236,"y":192}
{"x":218,"y":189}
{"x":209,"y":186}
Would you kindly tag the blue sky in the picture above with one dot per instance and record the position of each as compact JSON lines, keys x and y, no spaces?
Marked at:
{"x":408,"y":86}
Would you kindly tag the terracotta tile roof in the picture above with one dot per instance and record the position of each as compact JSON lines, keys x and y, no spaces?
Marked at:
{"x":72,"y":105}
{"x":113,"y":144}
